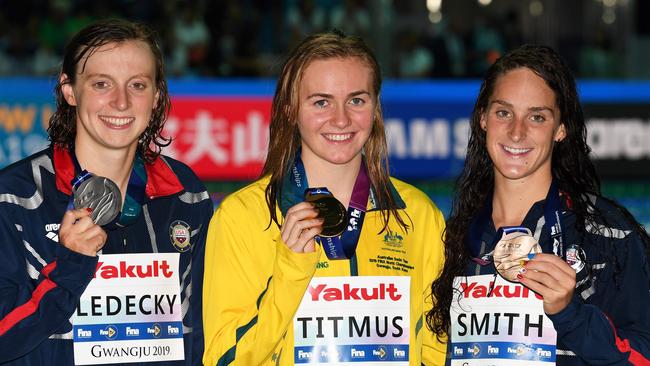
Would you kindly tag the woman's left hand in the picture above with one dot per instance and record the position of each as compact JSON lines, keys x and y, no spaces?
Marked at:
{"x":552,"y":278}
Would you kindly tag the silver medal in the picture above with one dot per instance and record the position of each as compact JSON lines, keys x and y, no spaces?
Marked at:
{"x":102,"y":195}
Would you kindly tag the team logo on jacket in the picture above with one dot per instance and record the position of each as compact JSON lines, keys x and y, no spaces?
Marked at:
{"x":179,"y":233}
{"x":393,"y":239}
{"x":575,"y":257}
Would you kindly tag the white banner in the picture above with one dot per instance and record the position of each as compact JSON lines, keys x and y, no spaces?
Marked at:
{"x":130,"y":311}
{"x":498,"y":322}
{"x":361,"y":320}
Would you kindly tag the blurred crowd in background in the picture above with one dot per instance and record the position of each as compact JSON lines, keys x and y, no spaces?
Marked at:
{"x":412,"y":38}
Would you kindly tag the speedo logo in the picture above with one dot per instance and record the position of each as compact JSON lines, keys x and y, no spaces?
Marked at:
{"x":123,"y":270}
{"x":474,"y":290}
{"x":348,"y":292}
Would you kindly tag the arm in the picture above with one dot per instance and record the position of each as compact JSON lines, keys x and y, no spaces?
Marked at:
{"x":433,"y":351}
{"x":33,"y":309}
{"x":623,"y":339}
{"x":253,"y":285}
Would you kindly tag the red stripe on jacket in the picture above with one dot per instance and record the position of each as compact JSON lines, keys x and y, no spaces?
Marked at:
{"x":28,"y":308}
{"x":623,"y":345}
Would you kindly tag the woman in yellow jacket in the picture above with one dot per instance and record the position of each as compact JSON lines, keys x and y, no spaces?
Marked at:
{"x":325,"y":259}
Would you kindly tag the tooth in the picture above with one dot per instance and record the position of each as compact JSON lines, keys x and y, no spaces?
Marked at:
{"x":515,"y":150}
{"x":338,"y":137}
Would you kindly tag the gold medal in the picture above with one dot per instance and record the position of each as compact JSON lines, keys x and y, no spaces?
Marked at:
{"x":331,"y":211}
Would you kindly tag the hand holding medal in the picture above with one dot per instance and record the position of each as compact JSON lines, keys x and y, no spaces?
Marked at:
{"x":301,"y":224}
{"x":329,"y":209}
{"x":96,"y":202}
{"x":325,"y":219}
{"x":547,"y":275}
{"x":100,"y":194}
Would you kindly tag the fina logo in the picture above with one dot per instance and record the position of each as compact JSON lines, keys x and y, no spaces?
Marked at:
{"x":380,"y":352}
{"x":520,"y":350}
{"x":357,"y":353}
{"x":475,"y":351}
{"x":155,"y":330}
{"x":81,"y":333}
{"x":399,"y":353}
{"x":110,"y":332}
{"x":458,"y":351}
{"x":492,"y":350}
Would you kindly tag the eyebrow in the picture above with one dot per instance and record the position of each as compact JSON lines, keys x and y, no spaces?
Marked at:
{"x":100,"y":75}
{"x":330,"y":96}
{"x":532,"y":109}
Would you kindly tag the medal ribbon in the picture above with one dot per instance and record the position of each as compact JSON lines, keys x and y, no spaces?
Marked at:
{"x":135,"y":192}
{"x":338,"y":247}
{"x":552,"y":221}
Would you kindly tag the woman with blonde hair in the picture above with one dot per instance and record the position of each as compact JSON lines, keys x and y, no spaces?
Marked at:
{"x":326,"y":258}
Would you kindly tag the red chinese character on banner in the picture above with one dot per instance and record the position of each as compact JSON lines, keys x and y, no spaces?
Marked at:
{"x":220,"y":138}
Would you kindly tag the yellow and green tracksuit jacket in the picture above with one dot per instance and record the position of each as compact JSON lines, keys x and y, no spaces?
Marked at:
{"x":254,"y":283}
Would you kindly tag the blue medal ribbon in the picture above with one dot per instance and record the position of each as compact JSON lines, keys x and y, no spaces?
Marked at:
{"x":552,"y":222}
{"x":337,"y":247}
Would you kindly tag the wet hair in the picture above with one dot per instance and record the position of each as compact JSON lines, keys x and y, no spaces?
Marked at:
{"x":63,"y":123}
{"x":284,"y":142}
{"x":571,"y":168}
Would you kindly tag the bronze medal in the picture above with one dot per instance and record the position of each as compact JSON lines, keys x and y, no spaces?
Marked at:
{"x":512,"y":252}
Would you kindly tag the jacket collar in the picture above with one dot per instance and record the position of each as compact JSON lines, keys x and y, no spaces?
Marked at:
{"x":161,"y":180}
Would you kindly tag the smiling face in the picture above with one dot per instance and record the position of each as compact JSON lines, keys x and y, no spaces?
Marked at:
{"x":522,"y":122}
{"x":336,"y":111}
{"x":114,"y":95}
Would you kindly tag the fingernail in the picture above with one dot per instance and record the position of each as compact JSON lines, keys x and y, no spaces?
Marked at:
{"x":531,"y":255}
{"x":89,"y":209}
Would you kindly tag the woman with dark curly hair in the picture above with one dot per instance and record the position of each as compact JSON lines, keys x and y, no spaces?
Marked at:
{"x":540,"y":268}
{"x":103,"y":189}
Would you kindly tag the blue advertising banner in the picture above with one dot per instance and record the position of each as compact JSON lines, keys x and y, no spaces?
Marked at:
{"x":427,"y":122}
{"x":426,"y":138}
{"x":25,"y":108}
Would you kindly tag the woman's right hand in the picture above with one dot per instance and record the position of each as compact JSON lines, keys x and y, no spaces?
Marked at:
{"x":79,"y":233}
{"x":300,"y":226}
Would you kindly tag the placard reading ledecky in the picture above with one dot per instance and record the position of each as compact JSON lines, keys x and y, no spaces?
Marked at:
{"x":499,"y":322}
{"x":130,"y":311}
{"x":354,"y":321}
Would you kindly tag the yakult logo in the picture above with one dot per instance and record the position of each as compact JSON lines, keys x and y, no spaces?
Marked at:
{"x":123,"y":270}
{"x":323,"y":292}
{"x":472,"y":289}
